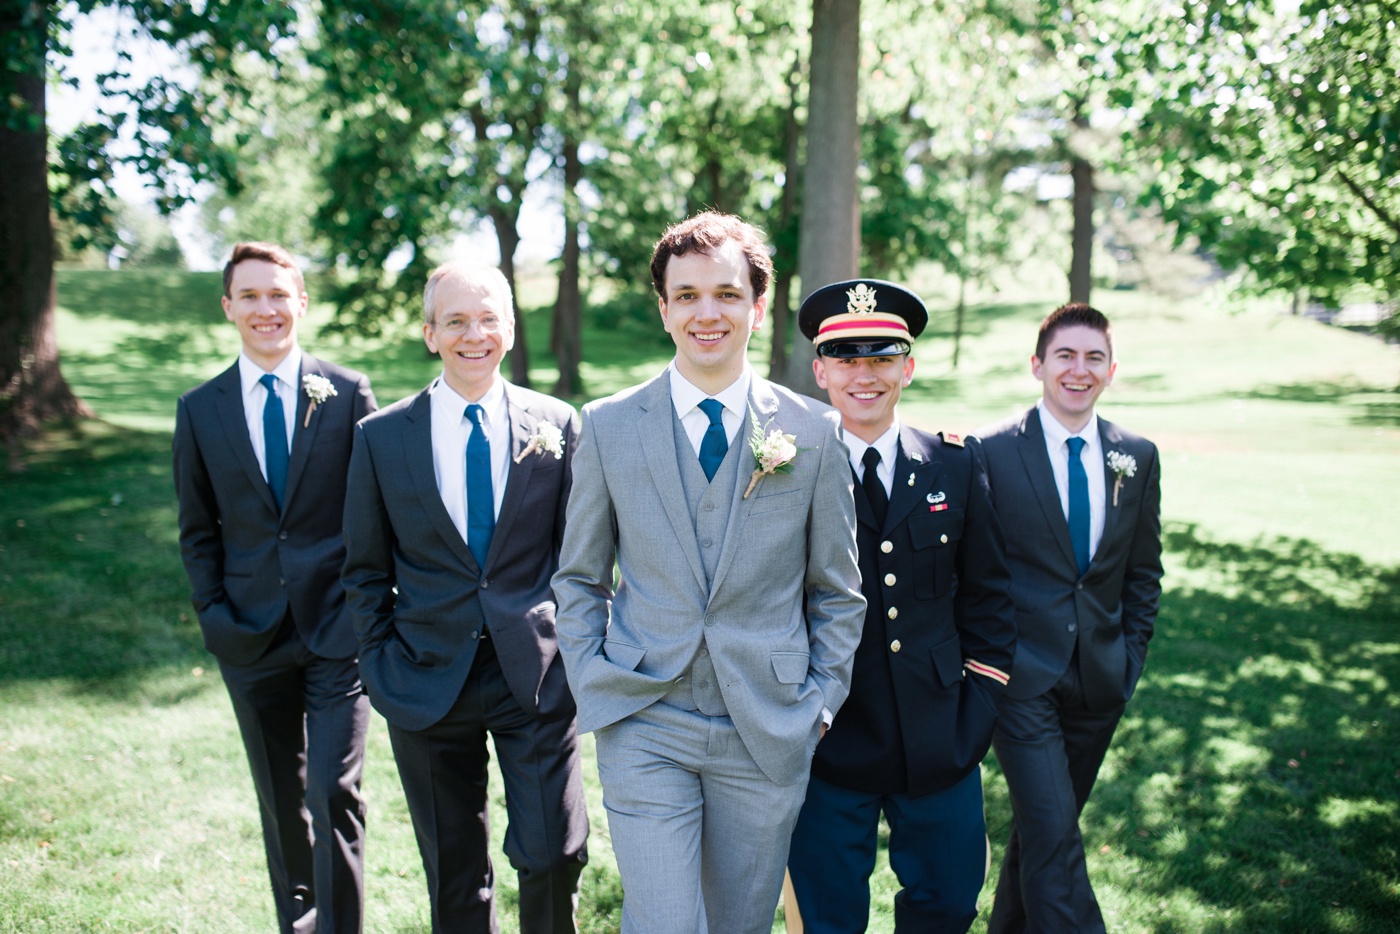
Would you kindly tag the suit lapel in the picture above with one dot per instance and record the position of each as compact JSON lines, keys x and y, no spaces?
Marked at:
{"x":235,"y":422}
{"x":654,"y":440}
{"x":1110,"y":438}
{"x":522,"y":426}
{"x":915,"y":461}
{"x":304,"y":431}
{"x":763,"y":405}
{"x":418,"y":452}
{"x":1042,"y":477}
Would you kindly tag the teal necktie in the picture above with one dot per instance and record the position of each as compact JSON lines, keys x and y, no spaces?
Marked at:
{"x":715,"y":444}
{"x":275,"y":454}
{"x":481,"y":498}
{"x":1078,"y":505}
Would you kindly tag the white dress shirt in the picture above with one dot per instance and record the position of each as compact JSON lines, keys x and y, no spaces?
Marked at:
{"x":686,"y":397}
{"x":1057,"y":445}
{"x":450,"y":430}
{"x":255,"y":398}
{"x":888,"y":446}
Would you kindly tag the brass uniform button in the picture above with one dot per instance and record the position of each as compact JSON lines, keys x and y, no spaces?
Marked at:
{"x":895,"y":646}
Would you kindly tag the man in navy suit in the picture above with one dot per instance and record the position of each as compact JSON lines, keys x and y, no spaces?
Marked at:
{"x":936,"y":650}
{"x":1081,"y":500}
{"x":452,"y":528}
{"x":260,"y":455}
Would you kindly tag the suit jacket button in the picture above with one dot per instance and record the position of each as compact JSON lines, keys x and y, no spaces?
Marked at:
{"x":485,"y":583}
{"x":1079,"y":586}
{"x":476,"y":635}
{"x":1071,"y":627}
{"x":887,"y":547}
{"x":282,"y":536}
{"x":895,"y":646}
{"x":889,"y":580}
{"x":706,"y":543}
{"x":710,"y":620}
{"x":281,"y":582}
{"x":709,"y":507}
{"x":893,"y":612}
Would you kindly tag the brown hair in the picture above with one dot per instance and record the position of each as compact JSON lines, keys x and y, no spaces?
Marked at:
{"x":1072,"y":315}
{"x":268,"y":253}
{"x":705,"y":233}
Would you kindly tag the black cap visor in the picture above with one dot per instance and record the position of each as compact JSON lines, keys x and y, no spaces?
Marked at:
{"x":862,"y":347}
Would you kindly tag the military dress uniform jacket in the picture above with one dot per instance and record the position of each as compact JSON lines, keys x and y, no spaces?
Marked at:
{"x":940,"y":628}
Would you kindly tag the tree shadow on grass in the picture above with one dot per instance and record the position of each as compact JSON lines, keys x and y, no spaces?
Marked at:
{"x":92,"y":590}
{"x":1367,"y":405}
{"x":1256,"y":770}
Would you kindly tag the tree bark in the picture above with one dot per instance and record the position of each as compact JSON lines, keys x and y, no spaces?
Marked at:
{"x":1082,"y":173}
{"x":784,"y":267}
{"x":32,"y":387}
{"x":567,"y":332}
{"x":507,"y":239}
{"x":829,"y":241}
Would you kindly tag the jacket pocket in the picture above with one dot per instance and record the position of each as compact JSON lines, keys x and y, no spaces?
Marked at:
{"x":937,"y":535}
{"x":623,"y":654}
{"x":790,"y":667}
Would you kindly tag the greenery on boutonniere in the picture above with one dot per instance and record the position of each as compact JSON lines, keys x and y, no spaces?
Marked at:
{"x":1122,"y":465}
{"x":772,"y":454}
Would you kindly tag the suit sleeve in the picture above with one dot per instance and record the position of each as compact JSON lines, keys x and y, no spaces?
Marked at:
{"x":571,"y":433}
{"x":368,"y":574}
{"x":365,"y":403}
{"x":983,"y":610}
{"x":1142,"y":578}
{"x":835,"y":607}
{"x":201,"y":535}
{"x":583,"y":583}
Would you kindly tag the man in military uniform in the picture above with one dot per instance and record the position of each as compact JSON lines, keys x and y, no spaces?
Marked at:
{"x":937,"y":646}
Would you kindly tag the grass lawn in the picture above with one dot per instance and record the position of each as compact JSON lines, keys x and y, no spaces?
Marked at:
{"x":1253,"y":785}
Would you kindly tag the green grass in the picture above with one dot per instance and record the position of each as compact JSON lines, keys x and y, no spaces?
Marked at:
{"x":1252,"y":787}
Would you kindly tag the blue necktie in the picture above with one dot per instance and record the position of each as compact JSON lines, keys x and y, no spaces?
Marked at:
{"x":275,"y":454}
{"x":1078,"y":505}
{"x":481,"y":498}
{"x":715,"y":444}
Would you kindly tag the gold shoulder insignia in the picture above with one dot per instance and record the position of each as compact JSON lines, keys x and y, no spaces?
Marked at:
{"x":950,"y":438}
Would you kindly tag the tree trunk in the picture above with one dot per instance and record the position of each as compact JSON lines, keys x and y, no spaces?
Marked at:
{"x":507,"y":239}
{"x":829,"y":242}
{"x":780,"y":314}
{"x":32,"y":387}
{"x":1081,"y":260}
{"x":958,"y":318}
{"x":567,"y":337}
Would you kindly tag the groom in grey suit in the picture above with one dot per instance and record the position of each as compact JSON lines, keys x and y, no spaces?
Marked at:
{"x":711,"y":669}
{"x":452,"y":528}
{"x":1079,"y":498}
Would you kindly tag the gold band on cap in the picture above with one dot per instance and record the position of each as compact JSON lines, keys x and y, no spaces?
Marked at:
{"x":876,"y":324}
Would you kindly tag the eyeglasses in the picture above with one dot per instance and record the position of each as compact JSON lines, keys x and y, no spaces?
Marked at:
{"x":486,"y":324}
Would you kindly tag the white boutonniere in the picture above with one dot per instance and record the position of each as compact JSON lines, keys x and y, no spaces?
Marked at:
{"x":318,"y":389}
{"x":772,"y":454}
{"x":547,"y":439}
{"x":1122,"y":465}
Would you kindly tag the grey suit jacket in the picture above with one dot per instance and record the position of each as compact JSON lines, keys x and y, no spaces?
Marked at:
{"x":1110,"y":611}
{"x":417,"y":596}
{"x":248,"y":564}
{"x":783,"y":614}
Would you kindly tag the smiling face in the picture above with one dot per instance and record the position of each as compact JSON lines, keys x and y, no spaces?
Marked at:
{"x":472,"y":329}
{"x":1077,"y":368}
{"x":710,"y":310}
{"x":864,"y":390}
{"x":264,"y":301}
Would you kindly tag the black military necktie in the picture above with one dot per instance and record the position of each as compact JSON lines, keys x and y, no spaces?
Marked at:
{"x":874,"y":489}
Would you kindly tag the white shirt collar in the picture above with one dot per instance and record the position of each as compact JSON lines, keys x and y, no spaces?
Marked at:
{"x":1056,"y":434}
{"x":492,"y":402}
{"x":887,"y":444}
{"x":249,"y":373}
{"x":685,"y":395}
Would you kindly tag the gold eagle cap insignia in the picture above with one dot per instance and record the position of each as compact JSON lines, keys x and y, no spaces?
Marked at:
{"x":860,"y":300}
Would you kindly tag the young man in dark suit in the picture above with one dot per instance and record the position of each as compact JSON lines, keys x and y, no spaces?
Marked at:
{"x":452,"y":528}
{"x":936,"y":650}
{"x":260,"y":455}
{"x":1080,"y":498}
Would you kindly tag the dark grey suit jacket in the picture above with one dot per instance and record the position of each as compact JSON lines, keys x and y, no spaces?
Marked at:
{"x":416,"y":594}
{"x":1109,"y":613}
{"x":248,"y":564}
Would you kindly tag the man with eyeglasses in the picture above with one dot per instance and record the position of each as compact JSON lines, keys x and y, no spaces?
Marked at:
{"x":453,"y":523}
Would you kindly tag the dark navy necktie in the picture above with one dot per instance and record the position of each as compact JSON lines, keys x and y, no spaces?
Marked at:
{"x":275,"y":454}
{"x":874,"y":489}
{"x":481,"y":498}
{"x":1078,"y":505}
{"x":715,"y":444}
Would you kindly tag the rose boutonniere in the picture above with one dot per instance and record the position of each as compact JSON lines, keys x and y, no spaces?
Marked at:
{"x":547,"y":439}
{"x":318,"y":389}
{"x":1122,"y":465}
{"x":772,"y":454}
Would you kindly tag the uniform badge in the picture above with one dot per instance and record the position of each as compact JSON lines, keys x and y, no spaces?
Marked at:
{"x":860,"y":300}
{"x":938,"y":497}
{"x":950,"y":438}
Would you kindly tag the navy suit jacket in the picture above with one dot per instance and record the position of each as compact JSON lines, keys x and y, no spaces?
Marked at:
{"x":417,"y":596}
{"x":1109,"y":612}
{"x":916,"y":722}
{"x":250,"y":565}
